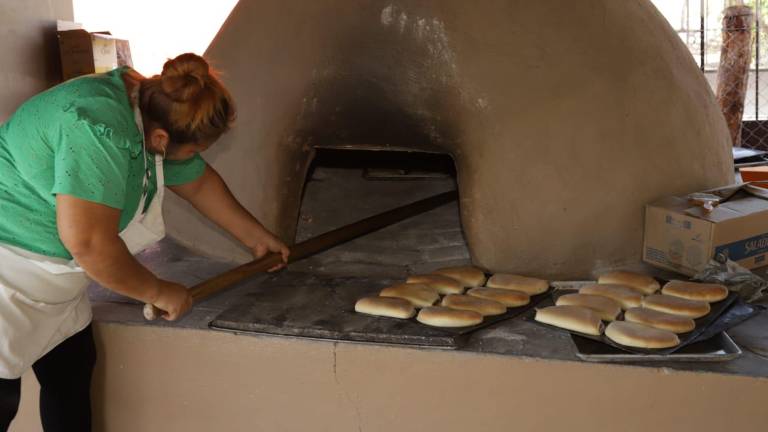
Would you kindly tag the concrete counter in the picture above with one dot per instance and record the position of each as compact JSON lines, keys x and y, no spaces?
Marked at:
{"x":514,"y":375}
{"x":155,"y":378}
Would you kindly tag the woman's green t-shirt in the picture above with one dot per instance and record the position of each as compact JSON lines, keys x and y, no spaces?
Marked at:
{"x":78,"y":138}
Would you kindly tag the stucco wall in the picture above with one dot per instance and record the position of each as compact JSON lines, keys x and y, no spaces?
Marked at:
{"x":28,"y":45}
{"x":153,"y":379}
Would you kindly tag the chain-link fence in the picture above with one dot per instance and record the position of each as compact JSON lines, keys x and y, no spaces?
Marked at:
{"x":702,"y":25}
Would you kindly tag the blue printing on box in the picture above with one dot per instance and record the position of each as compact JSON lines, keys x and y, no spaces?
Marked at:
{"x":742,"y":249}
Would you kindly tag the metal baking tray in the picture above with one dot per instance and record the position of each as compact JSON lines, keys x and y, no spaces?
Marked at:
{"x":702,"y":324}
{"x":322,"y":306}
{"x":492,"y":319}
{"x":511,"y":312}
{"x":715,"y":349}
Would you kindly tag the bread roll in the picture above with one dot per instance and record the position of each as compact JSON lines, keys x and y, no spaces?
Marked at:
{"x":640,"y":336}
{"x":469,"y":276}
{"x":627,"y":296}
{"x":575,"y":318}
{"x":443,"y":284}
{"x":643,"y":283}
{"x":438,"y":316}
{"x":676,"y":305}
{"x":509,"y":298}
{"x":660,"y":320}
{"x":480,"y":305}
{"x":607,"y":308}
{"x":706,"y":292}
{"x":386,"y":306}
{"x":531,"y":286}
{"x":419,"y":294}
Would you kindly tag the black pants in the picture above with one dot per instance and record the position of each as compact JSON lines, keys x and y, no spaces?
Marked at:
{"x":65,"y":386}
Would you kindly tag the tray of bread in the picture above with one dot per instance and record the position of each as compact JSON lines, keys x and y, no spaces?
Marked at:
{"x":636,"y":313}
{"x":322,"y":306}
{"x":717,"y":348}
{"x":457,"y":300}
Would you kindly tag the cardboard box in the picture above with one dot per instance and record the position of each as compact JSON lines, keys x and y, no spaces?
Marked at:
{"x":682,"y":237}
{"x":755,"y":174}
{"x":85,"y":53}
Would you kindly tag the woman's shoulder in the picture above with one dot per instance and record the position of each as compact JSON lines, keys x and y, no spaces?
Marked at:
{"x":97,"y":101}
{"x":99,"y":95}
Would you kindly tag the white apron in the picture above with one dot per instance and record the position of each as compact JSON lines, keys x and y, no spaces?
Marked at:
{"x":43,"y":300}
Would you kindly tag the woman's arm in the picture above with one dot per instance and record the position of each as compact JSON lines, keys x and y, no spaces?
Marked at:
{"x":89,"y":231}
{"x":211,"y":197}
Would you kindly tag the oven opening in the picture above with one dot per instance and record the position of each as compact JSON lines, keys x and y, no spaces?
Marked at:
{"x":344,"y":186}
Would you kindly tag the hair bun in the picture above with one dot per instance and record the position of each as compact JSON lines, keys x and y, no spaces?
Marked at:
{"x":184,"y":77}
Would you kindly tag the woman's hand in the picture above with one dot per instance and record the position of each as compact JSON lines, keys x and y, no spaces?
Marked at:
{"x":211,"y":197}
{"x":90,"y":232}
{"x":264,"y":242}
{"x":173,"y":299}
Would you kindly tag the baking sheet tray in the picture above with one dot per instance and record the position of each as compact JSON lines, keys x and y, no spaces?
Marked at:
{"x":490,"y":320}
{"x":702,"y":324}
{"x":739,"y":312}
{"x":718,"y":348}
{"x":322,"y":307}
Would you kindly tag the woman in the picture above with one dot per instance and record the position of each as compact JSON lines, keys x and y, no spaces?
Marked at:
{"x":82,"y":173}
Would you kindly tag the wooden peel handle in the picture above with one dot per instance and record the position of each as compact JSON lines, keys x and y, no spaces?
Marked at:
{"x":310,"y":247}
{"x":151,"y":312}
{"x":216,"y":284}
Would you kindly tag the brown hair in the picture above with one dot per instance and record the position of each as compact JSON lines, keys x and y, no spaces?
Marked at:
{"x":188,"y":101}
